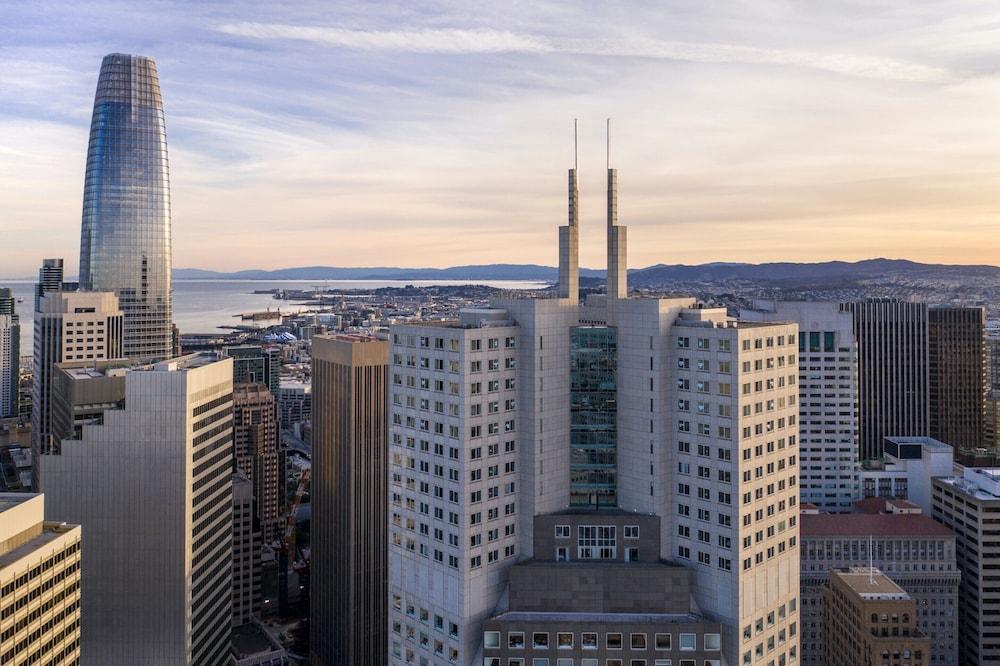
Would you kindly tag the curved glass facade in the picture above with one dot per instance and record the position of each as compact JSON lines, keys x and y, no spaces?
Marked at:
{"x":125,"y":241}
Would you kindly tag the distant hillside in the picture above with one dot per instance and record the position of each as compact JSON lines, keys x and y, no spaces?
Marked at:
{"x":478,"y":272}
{"x":660,"y":274}
{"x":825,"y":272}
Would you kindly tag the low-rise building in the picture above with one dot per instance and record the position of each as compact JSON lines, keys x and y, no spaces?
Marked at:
{"x":39,"y":584}
{"x":913,"y":550}
{"x":632,"y":608}
{"x":868,"y":619}
{"x":906,"y":470}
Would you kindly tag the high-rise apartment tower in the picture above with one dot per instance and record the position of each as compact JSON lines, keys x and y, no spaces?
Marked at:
{"x":968,"y":505}
{"x":258,"y":454}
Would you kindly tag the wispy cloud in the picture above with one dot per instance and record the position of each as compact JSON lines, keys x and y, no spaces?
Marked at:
{"x":437,"y":131}
{"x":471,"y":42}
{"x":407,"y":41}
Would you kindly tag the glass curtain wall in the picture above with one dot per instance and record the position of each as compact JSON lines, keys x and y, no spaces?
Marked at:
{"x":593,"y":416}
{"x":125,"y":239}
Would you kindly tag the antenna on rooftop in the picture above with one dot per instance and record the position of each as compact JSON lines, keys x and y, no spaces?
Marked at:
{"x":575,"y":149}
{"x":871,"y":562}
{"x":609,"y":144}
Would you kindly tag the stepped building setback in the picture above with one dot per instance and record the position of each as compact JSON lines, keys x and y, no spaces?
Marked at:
{"x":542,"y":450}
{"x":158,"y":468}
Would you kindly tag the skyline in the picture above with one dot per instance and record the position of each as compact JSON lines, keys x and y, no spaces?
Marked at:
{"x":314,"y":137}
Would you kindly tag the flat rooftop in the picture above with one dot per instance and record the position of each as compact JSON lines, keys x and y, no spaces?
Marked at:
{"x":981,"y":483}
{"x":250,"y":639}
{"x":926,"y":442}
{"x":877,"y":525}
{"x":532,"y":617}
{"x":871,"y":584}
{"x":294,"y":384}
{"x":350,"y":337}
{"x":10,"y":500}
{"x":19,"y":520}
{"x":92,"y":372}
{"x":180,"y":363}
{"x":50,"y":532}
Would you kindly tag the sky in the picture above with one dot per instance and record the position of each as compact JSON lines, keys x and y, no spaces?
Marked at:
{"x":439,"y":133}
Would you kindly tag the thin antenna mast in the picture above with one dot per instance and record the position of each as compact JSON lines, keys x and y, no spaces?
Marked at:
{"x":575,"y":148}
{"x":871,"y":562}
{"x":608,"y":166}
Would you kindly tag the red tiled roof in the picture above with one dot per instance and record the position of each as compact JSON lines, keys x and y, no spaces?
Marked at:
{"x":870,"y":505}
{"x":865,"y":524}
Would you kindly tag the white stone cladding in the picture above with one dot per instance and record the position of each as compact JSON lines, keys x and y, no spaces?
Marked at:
{"x":735,"y":488}
{"x":828,"y":399}
{"x":705,"y":437}
{"x":454,"y":486}
{"x":731,"y":467}
{"x":543,"y":381}
{"x":644,"y":402}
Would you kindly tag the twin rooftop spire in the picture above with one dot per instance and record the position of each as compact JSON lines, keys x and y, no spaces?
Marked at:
{"x":569,"y":235}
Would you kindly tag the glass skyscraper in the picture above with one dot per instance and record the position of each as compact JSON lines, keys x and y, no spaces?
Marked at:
{"x":125,"y":241}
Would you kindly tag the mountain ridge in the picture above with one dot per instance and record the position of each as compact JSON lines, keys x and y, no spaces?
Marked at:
{"x":773,"y":272}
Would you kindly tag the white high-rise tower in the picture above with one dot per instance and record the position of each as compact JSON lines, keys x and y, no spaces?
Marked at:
{"x":619,"y":474}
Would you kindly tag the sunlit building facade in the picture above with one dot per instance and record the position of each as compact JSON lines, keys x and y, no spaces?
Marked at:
{"x":125,"y":239}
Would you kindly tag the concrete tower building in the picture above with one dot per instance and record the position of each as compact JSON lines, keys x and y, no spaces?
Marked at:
{"x":50,"y":278}
{"x":893,"y":377}
{"x":348,"y":596}
{"x":69,"y":326}
{"x":543,"y":450}
{"x":968,"y":505}
{"x":828,"y":399}
{"x":125,"y":238}
{"x":10,"y":354}
{"x":958,"y":375}
{"x":253,"y":364}
{"x":247,"y":591}
{"x":157,"y":510}
{"x":258,"y":454}
{"x":39,"y":584}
